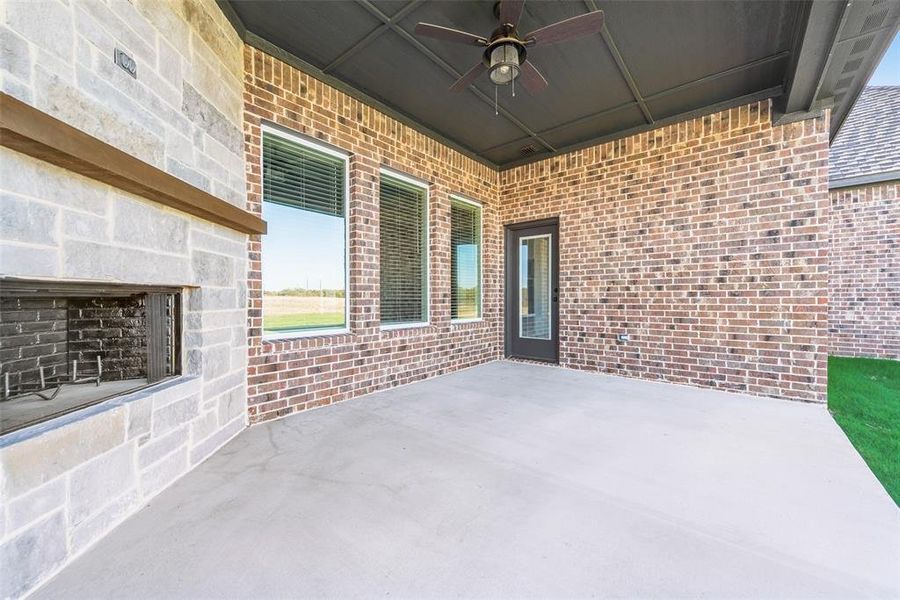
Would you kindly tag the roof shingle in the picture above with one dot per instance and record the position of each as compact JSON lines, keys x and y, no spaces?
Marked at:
{"x":869,"y":141}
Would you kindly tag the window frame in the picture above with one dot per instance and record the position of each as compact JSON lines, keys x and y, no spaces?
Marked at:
{"x":293,"y":136}
{"x":480,"y":207}
{"x":424,"y":185}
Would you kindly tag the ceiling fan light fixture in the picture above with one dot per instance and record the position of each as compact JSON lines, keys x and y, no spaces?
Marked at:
{"x":504,"y":52}
{"x":504,"y":65}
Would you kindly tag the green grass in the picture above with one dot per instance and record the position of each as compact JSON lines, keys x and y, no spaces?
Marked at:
{"x":864,"y":397}
{"x":293,"y":321}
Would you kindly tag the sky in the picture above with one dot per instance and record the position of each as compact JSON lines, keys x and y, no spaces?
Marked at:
{"x":303,"y":249}
{"x":888,"y":70}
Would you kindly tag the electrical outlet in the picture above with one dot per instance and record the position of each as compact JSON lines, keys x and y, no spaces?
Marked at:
{"x":127,"y":63}
{"x":622,"y":337}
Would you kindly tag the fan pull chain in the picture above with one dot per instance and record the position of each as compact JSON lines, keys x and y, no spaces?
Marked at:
{"x":496,"y":110}
{"x":514,"y":87}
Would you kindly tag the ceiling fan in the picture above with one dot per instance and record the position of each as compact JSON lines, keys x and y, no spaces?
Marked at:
{"x":504,"y":56}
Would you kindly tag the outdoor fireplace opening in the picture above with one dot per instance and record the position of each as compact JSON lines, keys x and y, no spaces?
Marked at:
{"x":65,"y":346}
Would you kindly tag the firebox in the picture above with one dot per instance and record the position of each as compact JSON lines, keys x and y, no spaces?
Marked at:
{"x":65,"y":346}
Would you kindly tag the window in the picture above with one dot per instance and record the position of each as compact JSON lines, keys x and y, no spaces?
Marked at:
{"x":304,"y":253}
{"x":465,"y":259}
{"x":404,"y":250}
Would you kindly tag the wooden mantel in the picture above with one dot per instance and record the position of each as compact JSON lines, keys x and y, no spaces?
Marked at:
{"x":25,"y":129}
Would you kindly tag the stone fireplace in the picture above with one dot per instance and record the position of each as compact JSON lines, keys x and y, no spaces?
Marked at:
{"x":123,"y":236}
{"x":65,"y":346}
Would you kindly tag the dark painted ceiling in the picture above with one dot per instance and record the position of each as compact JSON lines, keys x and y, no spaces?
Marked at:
{"x":654,"y":62}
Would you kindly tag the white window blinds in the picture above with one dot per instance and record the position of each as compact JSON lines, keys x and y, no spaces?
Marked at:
{"x":404,"y":251}
{"x":465,"y":258}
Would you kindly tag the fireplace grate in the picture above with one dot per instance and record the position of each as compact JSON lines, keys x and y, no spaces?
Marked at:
{"x":48,"y":387}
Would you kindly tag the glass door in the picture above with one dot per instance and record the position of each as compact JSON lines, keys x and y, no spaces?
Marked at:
{"x":532,"y":291}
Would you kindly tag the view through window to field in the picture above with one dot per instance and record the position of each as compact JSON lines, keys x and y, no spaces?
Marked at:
{"x":303,"y":271}
{"x":304,"y":250}
{"x":465,"y":272}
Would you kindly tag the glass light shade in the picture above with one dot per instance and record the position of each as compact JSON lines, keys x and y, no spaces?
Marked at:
{"x":504,"y":64}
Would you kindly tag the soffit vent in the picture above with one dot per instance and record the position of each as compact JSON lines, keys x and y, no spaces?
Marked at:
{"x":852,"y":65}
{"x":861,"y":45}
{"x":874,"y":20}
{"x":527,"y":150}
{"x":844,"y":83}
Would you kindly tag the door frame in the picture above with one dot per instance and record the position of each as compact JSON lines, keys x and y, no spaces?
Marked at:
{"x":509,"y":274}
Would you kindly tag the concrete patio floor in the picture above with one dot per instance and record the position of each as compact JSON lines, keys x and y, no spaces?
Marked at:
{"x":510,"y":480}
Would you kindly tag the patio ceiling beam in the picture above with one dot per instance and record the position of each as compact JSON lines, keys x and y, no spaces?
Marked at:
{"x":817,"y":30}
{"x":725,"y":73}
{"x":372,"y":36}
{"x":251,"y":39}
{"x":661,"y":94}
{"x":685,"y":116}
{"x":255,"y":41}
{"x":453,"y":72}
{"x":623,"y":68}
{"x":572,"y":123}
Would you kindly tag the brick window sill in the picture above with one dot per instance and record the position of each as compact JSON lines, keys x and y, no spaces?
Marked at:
{"x":318,"y":340}
{"x":469,"y":323}
{"x":412,"y":330}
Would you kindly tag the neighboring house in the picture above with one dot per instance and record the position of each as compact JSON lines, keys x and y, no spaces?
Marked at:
{"x":661,"y":211}
{"x":864,"y":265}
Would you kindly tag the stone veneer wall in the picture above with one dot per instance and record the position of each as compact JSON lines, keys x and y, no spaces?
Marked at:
{"x":705,"y":240}
{"x":864,"y":271}
{"x":292,"y":375}
{"x":66,"y":483}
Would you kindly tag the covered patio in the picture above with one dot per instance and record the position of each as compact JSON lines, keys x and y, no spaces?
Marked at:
{"x":514,"y":479}
{"x":555,"y":285}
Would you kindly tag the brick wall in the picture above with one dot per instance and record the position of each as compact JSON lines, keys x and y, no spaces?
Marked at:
{"x":112,"y":328}
{"x":32,"y":335}
{"x":864,"y":283}
{"x":706,"y":241}
{"x":52,"y":332}
{"x":289,"y":376}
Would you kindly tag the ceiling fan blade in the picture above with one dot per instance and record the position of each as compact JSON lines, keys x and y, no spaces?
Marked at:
{"x":468,"y":78}
{"x":511,"y":11}
{"x":531,"y":78}
{"x":449,"y":35}
{"x":569,"y":29}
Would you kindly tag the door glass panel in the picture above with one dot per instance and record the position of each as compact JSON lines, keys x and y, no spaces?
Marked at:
{"x":534,"y":287}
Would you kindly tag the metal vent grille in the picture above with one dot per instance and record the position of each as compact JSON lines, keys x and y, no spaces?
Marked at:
{"x":844,"y":83}
{"x":861,"y":45}
{"x":874,"y":20}
{"x":527,"y":150}
{"x":852,"y":65}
